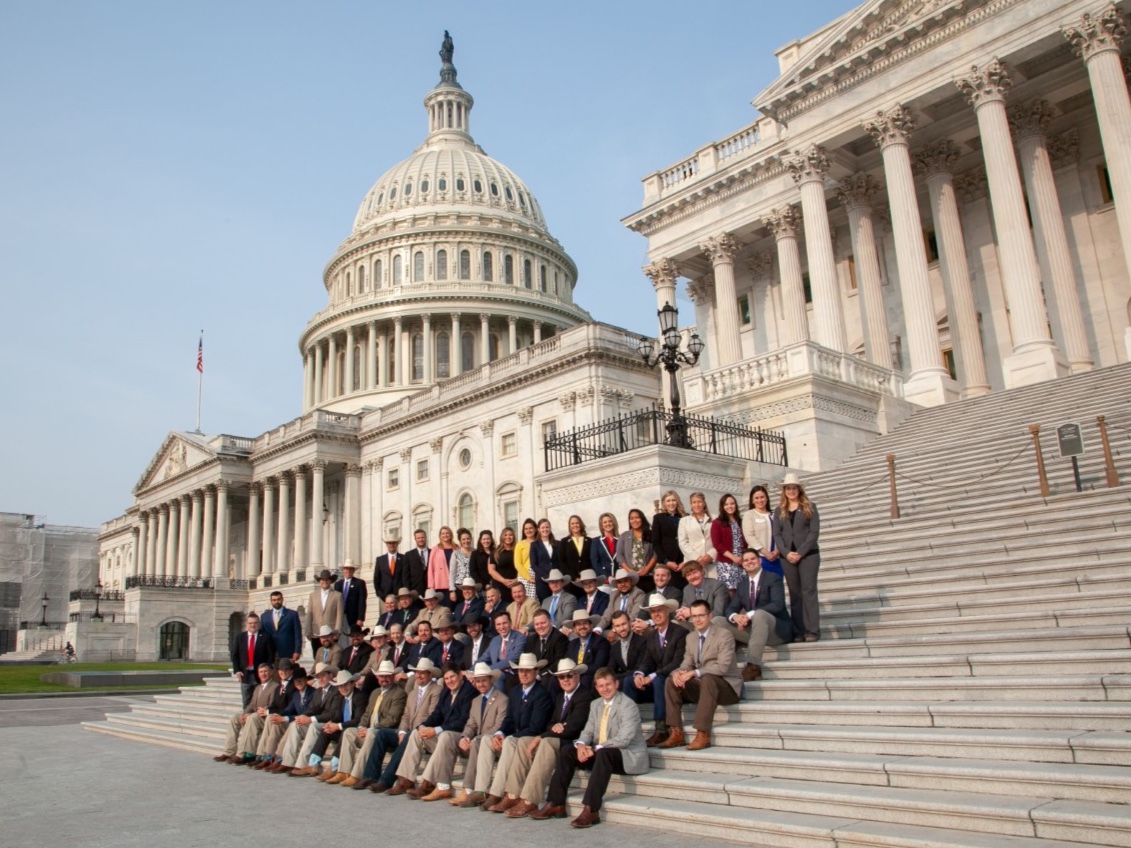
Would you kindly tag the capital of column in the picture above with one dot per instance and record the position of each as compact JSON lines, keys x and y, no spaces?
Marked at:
{"x":891,"y":127}
{"x":398,"y":321}
{"x":426,"y":317}
{"x":487,"y":427}
{"x":525,"y":414}
{"x":436,"y":444}
{"x":353,"y":470}
{"x":568,"y":400}
{"x":512,"y":320}
{"x":702,"y":291}
{"x":318,"y":465}
{"x":662,"y":272}
{"x":377,"y":464}
{"x":163,"y":509}
{"x":270,"y":483}
{"x":988,"y":84}
{"x":223,"y":485}
{"x":761,"y":264}
{"x":809,"y":165}
{"x":299,"y":472}
{"x":254,"y":488}
{"x":971,"y":184}
{"x":484,"y":316}
{"x":285,"y":477}
{"x":937,"y":158}
{"x":1064,"y":149}
{"x":406,"y":454}
{"x":1030,"y":120}
{"x":858,"y":190}
{"x":784,"y":222}
{"x":1094,"y":34}
{"x":720,"y":248}
{"x":197,"y":497}
{"x":209,"y":493}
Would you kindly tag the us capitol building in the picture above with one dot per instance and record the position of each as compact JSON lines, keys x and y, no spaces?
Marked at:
{"x":932,"y":205}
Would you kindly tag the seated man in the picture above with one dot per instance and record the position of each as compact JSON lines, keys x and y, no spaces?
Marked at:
{"x":475,"y":648}
{"x":379,"y":651}
{"x":625,"y":647}
{"x":525,"y":714}
{"x":302,"y":733}
{"x":507,"y":645}
{"x":348,"y":716}
{"x":560,"y":604}
{"x":398,"y":650}
{"x":389,"y":613}
{"x":336,"y":692}
{"x":527,"y":763}
{"x":493,"y":607}
{"x":521,"y":609}
{"x":701,"y":588}
{"x":328,"y":652}
{"x":384,"y":710}
{"x":285,"y":669}
{"x":662,"y":576}
{"x":244,"y":726}
{"x":408,"y":606}
{"x":426,"y":647}
{"x":594,"y":602}
{"x":611,"y":743}
{"x":451,"y":649}
{"x":757,"y":615}
{"x":470,"y":606}
{"x":662,"y":654}
{"x":627,"y":599}
{"x":301,"y":697}
{"x":450,"y":715}
{"x":356,"y":656}
{"x":421,"y":701}
{"x":707,"y":677}
{"x":546,"y":644}
{"x":433,"y":611}
{"x":586,"y":648}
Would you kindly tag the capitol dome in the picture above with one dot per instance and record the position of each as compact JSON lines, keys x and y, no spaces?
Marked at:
{"x":449,"y":266}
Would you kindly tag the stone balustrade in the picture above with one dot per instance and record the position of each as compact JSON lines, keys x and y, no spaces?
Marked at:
{"x":707,"y":160}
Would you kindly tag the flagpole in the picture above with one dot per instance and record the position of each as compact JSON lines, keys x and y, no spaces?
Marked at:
{"x":199,"y":377}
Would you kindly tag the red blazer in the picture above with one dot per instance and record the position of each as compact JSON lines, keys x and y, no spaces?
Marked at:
{"x":721,"y":540}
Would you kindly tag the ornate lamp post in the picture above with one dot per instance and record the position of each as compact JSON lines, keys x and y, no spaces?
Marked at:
{"x":43,"y":618}
{"x":97,"y":601}
{"x":670,"y":356}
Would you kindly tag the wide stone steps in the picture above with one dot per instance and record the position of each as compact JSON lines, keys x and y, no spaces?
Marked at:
{"x":152,"y":736}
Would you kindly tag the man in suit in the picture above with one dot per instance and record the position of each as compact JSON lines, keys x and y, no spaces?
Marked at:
{"x":284,"y":627}
{"x":662,"y":577}
{"x":546,"y":643}
{"x":626,"y":647}
{"x":432,"y":612}
{"x":420,"y":702}
{"x":349,"y":711}
{"x":757,"y":615}
{"x":384,"y":710}
{"x":418,"y":559}
{"x":560,"y":604}
{"x":627,"y":599}
{"x":701,"y":588}
{"x":707,"y":677}
{"x":328,"y":651}
{"x":485,"y":719}
{"x":507,"y":645}
{"x":450,"y":715}
{"x":398,"y":651}
{"x":451,"y":649}
{"x":389,"y":613}
{"x":426,"y":645}
{"x":662,"y":654}
{"x":355,"y":595}
{"x":250,"y":649}
{"x":302,"y":731}
{"x":470,"y":605}
{"x":586,"y":648}
{"x":388,"y":570}
{"x":378,"y":653}
{"x":593,"y":601}
{"x":493,"y":607}
{"x":611,"y":743}
{"x":324,"y":609}
{"x":521,"y":609}
{"x":355,"y":658}
{"x":301,"y":697}
{"x":244,"y":726}
{"x":527,"y":763}
{"x":475,"y":648}
{"x":307,"y":762}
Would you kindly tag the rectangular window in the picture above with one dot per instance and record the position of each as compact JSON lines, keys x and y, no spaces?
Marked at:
{"x":1106,"y":195}
{"x":422,"y":469}
{"x":931,"y":245}
{"x":394,"y":479}
{"x":510,"y":515}
{"x":508,"y":444}
{"x":549,"y":430}
{"x":852,"y":273}
{"x":744,"y":309}
{"x":807,"y":284}
{"x":948,"y":361}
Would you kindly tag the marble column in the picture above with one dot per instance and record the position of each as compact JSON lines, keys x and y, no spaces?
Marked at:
{"x":162,"y":539}
{"x":702,"y":294}
{"x":332,"y":389}
{"x":307,"y":382}
{"x":784,"y":223}
{"x":1029,"y":124}
{"x":456,"y":348}
{"x":185,"y":504}
{"x":928,"y":382}
{"x":319,"y":380}
{"x":252,"y":569}
{"x":484,"y":337}
{"x":538,"y":331}
{"x":937,"y":161}
{"x":208,"y":534}
{"x":172,"y":540}
{"x":857,"y":194}
{"x":721,"y":250}
{"x":1097,"y":39}
{"x":269,"y":537}
{"x":663,"y":274}
{"x":194,"y":534}
{"x":808,"y":169}
{"x":383,"y":375}
{"x":141,"y":559}
{"x":512,"y":334}
{"x":353,"y":512}
{"x":426,"y":340}
{"x":1034,"y":358}
{"x":151,"y":546}
{"x":397,"y":375}
{"x":317,"y":498}
{"x":302,"y":524}
{"x":350,"y":343}
{"x":371,"y":357}
{"x":223,"y":531}
{"x":283,"y":540}
{"x":133,"y":564}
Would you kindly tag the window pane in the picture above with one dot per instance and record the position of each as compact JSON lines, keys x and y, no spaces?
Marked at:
{"x":377,"y":274}
{"x":418,"y":357}
{"x":527,"y":277}
{"x":488,"y":267}
{"x":442,"y":265}
{"x":398,"y":270}
{"x":443,"y":356}
{"x":508,"y":269}
{"x":465,"y":264}
{"x":468,"y":352}
{"x":418,"y":267}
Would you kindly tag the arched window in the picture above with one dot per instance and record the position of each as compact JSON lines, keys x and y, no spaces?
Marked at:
{"x":377,"y":274}
{"x":555,"y":283}
{"x":493,"y":346}
{"x":349,"y":288}
{"x":418,"y":267}
{"x":417,"y":357}
{"x":542,"y":277}
{"x":465,"y":511}
{"x":467,"y":352}
{"x":508,"y":269}
{"x":398,"y":270}
{"x":465,"y":264}
{"x":360,"y":279}
{"x":443,"y":356}
{"x":441,"y":264}
{"x":527,"y":274}
{"x":488,"y":267}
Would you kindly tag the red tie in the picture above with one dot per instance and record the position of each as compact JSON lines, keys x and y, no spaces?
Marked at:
{"x":250,"y":651}
{"x":445,"y":653}
{"x":353,"y":656}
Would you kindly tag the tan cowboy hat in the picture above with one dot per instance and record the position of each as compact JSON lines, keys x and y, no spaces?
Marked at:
{"x":378,"y":630}
{"x":790,"y":479}
{"x":625,"y":574}
{"x":324,"y":668}
{"x":405,"y":592}
{"x":343,"y":677}
{"x":529,"y":662}
{"x":556,"y":574}
{"x":433,"y":595}
{"x":566,"y":667}
{"x":326,"y":630}
{"x":656,"y":600}
{"x":350,"y":564}
{"x":444,"y":621}
{"x":483,"y":670}
{"x":587,"y":574}
{"x":386,"y":667}
{"x":469,"y":583}
{"x":581,"y":615}
{"x":426,"y":664}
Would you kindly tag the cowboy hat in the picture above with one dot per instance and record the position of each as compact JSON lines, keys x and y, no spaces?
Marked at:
{"x":483,"y":670}
{"x":343,"y":677}
{"x":433,"y":595}
{"x":405,"y":592}
{"x":359,"y":631}
{"x":625,"y":574}
{"x":324,"y":574}
{"x":349,"y":563}
{"x":555,"y":574}
{"x":656,"y":600}
{"x":385,"y":667}
{"x":426,"y":664}
{"x":377,"y":631}
{"x":324,"y":668}
{"x":529,"y":662}
{"x":581,"y":615}
{"x":469,"y":583}
{"x":790,"y":479}
{"x":326,"y":631}
{"x":566,"y":666}
{"x":587,"y":574}
{"x":392,"y":536}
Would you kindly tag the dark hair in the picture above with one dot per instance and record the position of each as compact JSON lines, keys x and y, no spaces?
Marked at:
{"x":754,"y":491}
{"x":542,"y":613}
{"x":533,"y":524}
{"x":451,"y":666}
{"x":479,"y":541}
{"x":645,"y":527}
{"x":463,"y":531}
{"x":618,"y":614}
{"x":546,"y":521}
{"x":702,"y":604}
{"x":250,"y":616}
{"x":722,"y":513}
{"x":276,"y":592}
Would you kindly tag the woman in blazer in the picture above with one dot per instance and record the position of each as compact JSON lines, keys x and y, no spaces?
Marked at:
{"x":665,"y":535}
{"x":543,"y":557}
{"x":695,"y":535}
{"x":439,"y":565}
{"x":796,"y":527}
{"x":635,"y":552}
{"x":522,"y":560}
{"x":574,"y":553}
{"x":758,"y":529}
{"x":481,"y":558}
{"x":726,"y":537}
{"x":603,"y":552}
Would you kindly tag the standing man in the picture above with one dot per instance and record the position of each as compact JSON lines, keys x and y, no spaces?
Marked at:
{"x":707,"y":677}
{"x":324,"y":609}
{"x":756,"y":615}
{"x":418,"y":562}
{"x":663,"y":652}
{"x":284,"y":627}
{"x":612,"y":743}
{"x":388,"y":571}
{"x":354,"y":595}
{"x":250,"y":650}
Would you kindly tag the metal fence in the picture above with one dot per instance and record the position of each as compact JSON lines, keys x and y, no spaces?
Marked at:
{"x":91,"y":594}
{"x":151,"y":581}
{"x":651,"y":427}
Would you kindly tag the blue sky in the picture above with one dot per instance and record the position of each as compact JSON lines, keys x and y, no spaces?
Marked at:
{"x":171,"y":167}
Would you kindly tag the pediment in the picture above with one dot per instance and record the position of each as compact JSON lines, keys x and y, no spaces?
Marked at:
{"x":179,"y":452}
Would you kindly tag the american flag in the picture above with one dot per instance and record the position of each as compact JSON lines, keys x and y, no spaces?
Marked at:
{"x":200,"y":355}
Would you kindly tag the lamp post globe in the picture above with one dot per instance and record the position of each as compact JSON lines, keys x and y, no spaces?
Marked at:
{"x":669,"y":357}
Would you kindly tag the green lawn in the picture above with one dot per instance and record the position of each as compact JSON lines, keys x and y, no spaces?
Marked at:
{"x":25,"y":678}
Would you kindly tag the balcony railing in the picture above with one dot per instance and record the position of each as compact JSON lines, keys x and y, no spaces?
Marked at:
{"x":151,"y":581}
{"x":90,"y":595}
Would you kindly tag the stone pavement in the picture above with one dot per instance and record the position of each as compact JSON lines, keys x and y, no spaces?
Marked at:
{"x":38,"y":712}
{"x":64,"y":786}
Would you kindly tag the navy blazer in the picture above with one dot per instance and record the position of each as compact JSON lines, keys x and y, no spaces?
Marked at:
{"x":455,"y":653}
{"x":354,"y":603}
{"x":468,"y":611}
{"x":359,"y":662}
{"x":282,"y":696}
{"x":771,"y":598}
{"x":288,"y":636}
{"x":799,"y":534}
{"x":663,"y":661}
{"x":451,"y":714}
{"x":600,"y":558}
{"x":598,"y":606}
{"x":576,"y":715}
{"x":264,"y":652}
{"x":542,"y":563}
{"x":402,"y":661}
{"x":570,"y":562}
{"x":596,"y":656}
{"x":299,"y":703}
{"x":529,"y":715}
{"x":431,"y":649}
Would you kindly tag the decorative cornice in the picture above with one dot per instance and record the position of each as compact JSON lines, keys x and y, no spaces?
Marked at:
{"x":783,"y":222}
{"x":662,"y":273}
{"x":1026,"y":121}
{"x":808,"y":165}
{"x":937,"y":158}
{"x":1094,"y":34}
{"x":988,"y":84}
{"x":858,"y":190}
{"x":721,"y":248}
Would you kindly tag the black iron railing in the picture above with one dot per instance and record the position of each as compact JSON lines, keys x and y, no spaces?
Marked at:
{"x":151,"y":581}
{"x":243,"y":584}
{"x":91,"y":595}
{"x":651,"y":427}
{"x":89,"y":616}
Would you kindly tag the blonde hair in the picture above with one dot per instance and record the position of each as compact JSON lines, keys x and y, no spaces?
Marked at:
{"x":601,"y":518}
{"x":702,"y":497}
{"x":679,"y":510}
{"x":803,"y":503}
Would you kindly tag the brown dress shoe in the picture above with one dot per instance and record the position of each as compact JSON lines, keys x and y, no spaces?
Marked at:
{"x":656,"y":738}
{"x":362,"y":784}
{"x":521,"y":810}
{"x":675,"y":739}
{"x":752,"y":672}
{"x":588,"y":818}
{"x":236,"y":760}
{"x":702,"y":740}
{"x":305,"y":771}
{"x":263,"y":764}
{"x":351,"y":781}
{"x":505,"y":805}
{"x":470,"y":800}
{"x":549,"y":811}
{"x":338,"y":777}
{"x":489,"y":802}
{"x":420,"y":790}
{"x":401,"y":786}
{"x":221,"y":758}
{"x":327,"y":775}
{"x":378,"y":788}
{"x":437,"y":794}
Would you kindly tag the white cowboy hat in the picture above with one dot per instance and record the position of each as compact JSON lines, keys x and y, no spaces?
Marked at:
{"x":326,"y":630}
{"x":426,"y":664}
{"x":324,"y":668}
{"x":386,"y":667}
{"x":405,"y":592}
{"x":790,"y":479}
{"x":393,"y":536}
{"x":625,"y":574}
{"x":587,"y":574}
{"x":432,"y":595}
{"x":556,"y":574}
{"x":656,"y":600}
{"x":343,"y":677}
{"x":581,"y":615}
{"x":483,"y":670}
{"x":349,"y":563}
{"x":529,"y":662}
{"x":566,"y":666}
{"x":377,"y":630}
{"x":469,"y":583}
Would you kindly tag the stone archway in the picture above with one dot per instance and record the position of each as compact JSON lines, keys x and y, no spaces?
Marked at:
{"x":173,"y":641}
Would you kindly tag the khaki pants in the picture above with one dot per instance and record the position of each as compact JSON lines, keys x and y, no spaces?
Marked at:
{"x":299,"y":742}
{"x":249,"y":734}
{"x":528,"y":777}
{"x":414,"y":752}
{"x":755,"y":636}
{"x":355,"y":750}
{"x":480,"y":763}
{"x":270,"y":738}
{"x":235,"y":727}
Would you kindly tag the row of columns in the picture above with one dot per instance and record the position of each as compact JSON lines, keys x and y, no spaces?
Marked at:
{"x":272,"y":545}
{"x":1097,"y":38}
{"x":186,"y":537}
{"x":384,"y":340}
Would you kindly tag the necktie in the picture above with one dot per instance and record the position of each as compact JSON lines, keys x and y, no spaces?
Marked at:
{"x":589,"y":602}
{"x":377,"y":708}
{"x":624,"y":603}
{"x":346,"y":712}
{"x":565,"y":706}
{"x":445,"y":653}
{"x":698,"y":594}
{"x":423,"y":556}
{"x":325,"y":655}
{"x":554,"y":607}
{"x":419,"y":695}
{"x":662,"y":641}
{"x":542,"y":648}
{"x":702,"y":639}
{"x":503,"y":652}
{"x":278,"y":615}
{"x":345,"y":591}
{"x":580,"y":652}
{"x":603,"y":732}
{"x":251,"y":651}
{"x":392,"y":565}
{"x":353,"y":656}
{"x":483,"y":708}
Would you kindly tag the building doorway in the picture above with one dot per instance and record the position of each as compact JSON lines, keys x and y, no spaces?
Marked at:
{"x":174,"y":641}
